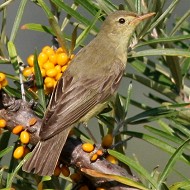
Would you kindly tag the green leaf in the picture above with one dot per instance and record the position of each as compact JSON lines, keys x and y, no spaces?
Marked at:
{"x":14,"y":173}
{"x":173,"y":138}
{"x":54,"y":24}
{"x":148,"y":68}
{"x":5,"y":151}
{"x":183,"y":185}
{"x":158,"y":143}
{"x":163,"y":52}
{"x":88,"y":5}
{"x":73,"y":13}
{"x":164,"y":40}
{"x":3,"y":5}
{"x":134,"y":165}
{"x":128,"y":98}
{"x":119,"y":109}
{"x":58,"y":33}
{"x":13,"y":56}
{"x":164,"y":15}
{"x":175,"y":157}
{"x":173,"y":64}
{"x":73,"y":40}
{"x":164,"y":90}
{"x":39,"y":82}
{"x":180,"y":22}
{"x":18,"y":19}
{"x":85,"y":33}
{"x":162,"y":110}
{"x":37,"y":27}
{"x":105,"y":6}
{"x":12,"y":92}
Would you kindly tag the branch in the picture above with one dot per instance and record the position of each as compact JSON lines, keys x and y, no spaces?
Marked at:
{"x":19,"y":112}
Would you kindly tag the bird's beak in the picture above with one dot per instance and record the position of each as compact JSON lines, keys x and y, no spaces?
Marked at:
{"x":142,"y":17}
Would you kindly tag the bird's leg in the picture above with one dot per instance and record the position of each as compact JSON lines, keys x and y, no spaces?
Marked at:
{"x":89,"y":132}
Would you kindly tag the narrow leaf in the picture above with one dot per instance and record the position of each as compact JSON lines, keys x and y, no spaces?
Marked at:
{"x":134,"y":165}
{"x":121,"y":179}
{"x":165,"y":39}
{"x":12,"y":175}
{"x":175,"y":157}
{"x":5,"y":151}
{"x":13,"y":56}
{"x":37,"y":27}
{"x":163,"y":52}
{"x":18,"y":19}
{"x":39,"y":82}
{"x":158,"y":143}
{"x":85,"y":33}
{"x":73,"y":13}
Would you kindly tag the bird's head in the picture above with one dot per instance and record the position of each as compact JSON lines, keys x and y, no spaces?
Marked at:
{"x":120,"y":25}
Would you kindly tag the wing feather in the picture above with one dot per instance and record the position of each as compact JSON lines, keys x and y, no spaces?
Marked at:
{"x":73,"y":98}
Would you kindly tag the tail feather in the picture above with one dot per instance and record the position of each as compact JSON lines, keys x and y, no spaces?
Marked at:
{"x":46,"y":154}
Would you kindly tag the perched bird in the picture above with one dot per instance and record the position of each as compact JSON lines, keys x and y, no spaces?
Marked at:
{"x":85,"y":87}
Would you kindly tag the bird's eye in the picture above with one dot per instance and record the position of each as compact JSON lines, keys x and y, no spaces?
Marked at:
{"x":121,"y":20}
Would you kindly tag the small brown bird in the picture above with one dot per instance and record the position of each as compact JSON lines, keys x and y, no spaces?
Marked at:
{"x":85,"y":87}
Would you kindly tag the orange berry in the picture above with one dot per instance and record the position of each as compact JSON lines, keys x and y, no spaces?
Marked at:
{"x":63,"y":68}
{"x":100,"y":188}
{"x":94,"y":157}
{"x":42,"y":58}
{"x":24,"y":137}
{"x":3,"y":123}
{"x":32,"y":121}
{"x":28,"y":71}
{"x":49,"y":82}
{"x":18,"y":152}
{"x":45,"y":48}
{"x":2,"y":77}
{"x":51,"y":72}
{"x":84,"y":187}
{"x":57,"y":171}
{"x":4,"y":83}
{"x":62,"y":59}
{"x":49,"y":51}
{"x":58,"y":76}
{"x":30,"y":60}
{"x":112,"y":159}
{"x":48,"y":65}
{"x":58,"y":68}
{"x":65,"y":171}
{"x":43,"y":72}
{"x":53,"y":58}
{"x":99,"y":152}
{"x":87,"y":147}
{"x":72,"y":56}
{"x":76,"y":177}
{"x":107,"y":141}
{"x":16,"y":130}
{"x":60,"y":50}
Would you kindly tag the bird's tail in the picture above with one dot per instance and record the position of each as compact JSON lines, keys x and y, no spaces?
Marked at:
{"x":46,"y":154}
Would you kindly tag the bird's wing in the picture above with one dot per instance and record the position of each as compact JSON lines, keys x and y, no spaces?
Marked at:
{"x":72,"y":99}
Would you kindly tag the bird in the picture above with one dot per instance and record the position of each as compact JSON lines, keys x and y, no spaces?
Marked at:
{"x":86,"y":86}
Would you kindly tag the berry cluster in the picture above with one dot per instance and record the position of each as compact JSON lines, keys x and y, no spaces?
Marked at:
{"x":107,"y":141}
{"x":23,"y":149}
{"x":3,"y":80}
{"x":52,"y":64}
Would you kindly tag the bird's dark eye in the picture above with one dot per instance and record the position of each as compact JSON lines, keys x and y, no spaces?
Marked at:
{"x":121,"y":20}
